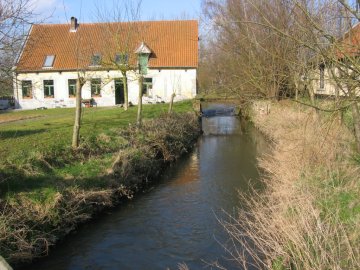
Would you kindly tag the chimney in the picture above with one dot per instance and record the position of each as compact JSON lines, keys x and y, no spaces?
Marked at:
{"x":74,"y":25}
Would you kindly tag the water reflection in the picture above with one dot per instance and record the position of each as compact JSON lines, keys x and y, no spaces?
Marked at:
{"x":222,"y":125}
{"x":176,"y":221}
{"x":190,"y":174}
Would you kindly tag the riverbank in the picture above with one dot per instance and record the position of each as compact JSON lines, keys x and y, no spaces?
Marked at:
{"x":45,"y":196}
{"x":175,"y":221}
{"x":309,"y":215}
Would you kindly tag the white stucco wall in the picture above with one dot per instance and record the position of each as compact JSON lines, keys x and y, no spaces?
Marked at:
{"x":330,"y":84}
{"x":165,"y":82}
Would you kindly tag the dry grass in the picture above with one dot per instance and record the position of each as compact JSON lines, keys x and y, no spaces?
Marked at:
{"x":309,"y":215}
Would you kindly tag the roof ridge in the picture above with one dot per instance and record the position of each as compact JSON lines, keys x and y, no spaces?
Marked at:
{"x":174,"y":43}
{"x":97,"y":23}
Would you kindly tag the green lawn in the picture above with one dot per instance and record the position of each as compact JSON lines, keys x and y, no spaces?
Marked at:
{"x":23,"y":132}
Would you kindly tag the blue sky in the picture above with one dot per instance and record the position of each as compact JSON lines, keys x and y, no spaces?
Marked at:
{"x":59,"y":11}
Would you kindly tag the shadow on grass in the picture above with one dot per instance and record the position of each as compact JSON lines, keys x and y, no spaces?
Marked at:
{"x":5,"y":111}
{"x":19,"y":133}
{"x":13,"y":180}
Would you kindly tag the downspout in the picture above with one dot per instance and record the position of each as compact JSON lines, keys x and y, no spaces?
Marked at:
{"x":16,"y":88}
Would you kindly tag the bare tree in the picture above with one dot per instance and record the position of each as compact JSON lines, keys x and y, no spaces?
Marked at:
{"x":139,"y":111}
{"x":175,"y":80}
{"x":143,"y":53}
{"x":274,"y":49}
{"x":125,"y":51}
{"x":250,"y":56}
{"x":85,"y":54}
{"x":80,"y":81}
{"x":116,"y":50}
{"x":120,"y":54}
{"x":16,"y":16}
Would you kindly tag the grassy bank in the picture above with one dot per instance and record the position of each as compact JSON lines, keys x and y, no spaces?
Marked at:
{"x":47,"y":189}
{"x":309,"y":215}
{"x":23,"y":132}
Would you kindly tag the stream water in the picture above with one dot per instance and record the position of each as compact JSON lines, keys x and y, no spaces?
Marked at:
{"x":177,"y":221}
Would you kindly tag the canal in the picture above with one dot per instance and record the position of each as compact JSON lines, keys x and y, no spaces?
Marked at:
{"x":176,"y":221}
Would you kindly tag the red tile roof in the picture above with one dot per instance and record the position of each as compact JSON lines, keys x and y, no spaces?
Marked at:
{"x":173,"y":44}
{"x":349,"y":45}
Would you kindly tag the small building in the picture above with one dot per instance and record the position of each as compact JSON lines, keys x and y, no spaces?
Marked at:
{"x":327,"y":78}
{"x":55,"y":55}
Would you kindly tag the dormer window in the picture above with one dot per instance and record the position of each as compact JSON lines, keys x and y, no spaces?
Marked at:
{"x":143,"y":52}
{"x":121,"y":58}
{"x":49,"y":61}
{"x":143,"y":63}
{"x":96,"y":59}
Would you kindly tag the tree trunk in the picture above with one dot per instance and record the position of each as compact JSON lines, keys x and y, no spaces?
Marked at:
{"x":297,"y":85}
{"x":77,"y":124}
{"x":139,"y":112}
{"x":356,"y":120}
{"x":171,"y":102}
{"x":312,"y":99}
{"x":311,"y":95}
{"x":337,"y":105}
{"x":126,"y":96}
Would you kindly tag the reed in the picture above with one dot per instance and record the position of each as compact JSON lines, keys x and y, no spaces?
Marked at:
{"x":308,"y":217}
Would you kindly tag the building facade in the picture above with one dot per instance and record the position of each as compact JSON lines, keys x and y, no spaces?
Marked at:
{"x":328,"y":80}
{"x":56,"y":55}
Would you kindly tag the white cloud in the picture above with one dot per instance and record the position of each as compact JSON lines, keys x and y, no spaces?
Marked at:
{"x":41,"y":6}
{"x":49,"y":10}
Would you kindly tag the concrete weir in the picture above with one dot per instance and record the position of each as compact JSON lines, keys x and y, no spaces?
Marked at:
{"x":4,"y":265}
{"x":222,"y":108}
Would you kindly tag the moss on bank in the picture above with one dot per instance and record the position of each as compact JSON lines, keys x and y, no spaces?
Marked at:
{"x":47,"y":195}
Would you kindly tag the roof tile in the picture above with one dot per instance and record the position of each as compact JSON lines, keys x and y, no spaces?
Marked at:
{"x":173,"y":43}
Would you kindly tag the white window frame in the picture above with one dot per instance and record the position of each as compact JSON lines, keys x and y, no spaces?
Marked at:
{"x":49,"y":61}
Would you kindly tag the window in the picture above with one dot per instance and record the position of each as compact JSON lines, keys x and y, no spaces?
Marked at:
{"x":322,"y":77}
{"x":49,"y":61}
{"x":121,"y":58}
{"x":26,"y":87}
{"x":96,"y":59}
{"x":119,"y":91}
{"x":72,"y":87}
{"x":95,"y":87}
{"x":147,"y":87}
{"x":49,"y":88}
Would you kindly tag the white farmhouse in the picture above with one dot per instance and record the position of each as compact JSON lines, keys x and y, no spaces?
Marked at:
{"x":327,"y":78}
{"x":55,"y":55}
